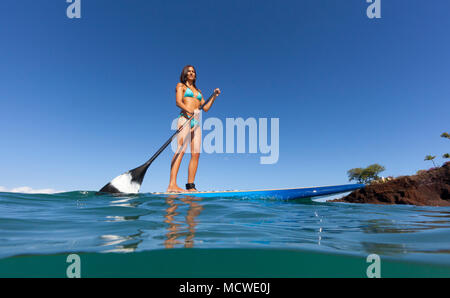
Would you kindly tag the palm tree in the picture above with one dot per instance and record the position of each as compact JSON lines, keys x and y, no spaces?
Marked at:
{"x":445,"y":135}
{"x":446,"y":155}
{"x":430,"y":157}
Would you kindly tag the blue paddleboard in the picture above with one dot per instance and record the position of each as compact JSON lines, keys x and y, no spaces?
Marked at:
{"x":279,"y":194}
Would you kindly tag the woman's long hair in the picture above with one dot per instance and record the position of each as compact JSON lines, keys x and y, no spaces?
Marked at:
{"x":183,"y":76}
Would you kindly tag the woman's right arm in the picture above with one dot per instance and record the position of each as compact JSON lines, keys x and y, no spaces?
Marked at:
{"x":179,"y":99}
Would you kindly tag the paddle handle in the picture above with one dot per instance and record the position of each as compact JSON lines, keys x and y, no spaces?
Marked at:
{"x":175,"y":133}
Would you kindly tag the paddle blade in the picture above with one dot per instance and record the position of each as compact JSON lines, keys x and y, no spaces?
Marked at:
{"x":122,"y":184}
{"x":108,"y":188}
{"x":129,"y":182}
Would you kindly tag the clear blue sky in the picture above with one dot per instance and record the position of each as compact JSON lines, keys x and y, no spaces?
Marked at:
{"x":84,"y":100}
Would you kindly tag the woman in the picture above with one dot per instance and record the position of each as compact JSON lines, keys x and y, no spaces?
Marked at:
{"x":189,"y":99}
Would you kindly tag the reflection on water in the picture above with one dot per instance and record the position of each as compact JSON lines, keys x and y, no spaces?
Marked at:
{"x":378,"y":226}
{"x":387,"y":249}
{"x":126,"y":202}
{"x":386,"y":226}
{"x":177,"y":229}
{"x":127,"y":243}
{"x":122,"y":243}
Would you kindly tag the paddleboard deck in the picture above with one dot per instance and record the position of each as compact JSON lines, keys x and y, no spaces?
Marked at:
{"x":279,"y":194}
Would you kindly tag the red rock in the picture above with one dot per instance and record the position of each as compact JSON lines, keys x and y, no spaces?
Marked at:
{"x":428,"y":188}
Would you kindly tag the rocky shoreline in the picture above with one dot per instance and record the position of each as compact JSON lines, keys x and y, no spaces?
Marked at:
{"x":427,"y":188}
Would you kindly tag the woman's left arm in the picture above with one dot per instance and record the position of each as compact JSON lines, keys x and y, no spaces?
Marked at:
{"x":209,"y":104}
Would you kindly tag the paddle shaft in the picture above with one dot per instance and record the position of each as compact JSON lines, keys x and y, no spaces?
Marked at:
{"x":175,"y":134}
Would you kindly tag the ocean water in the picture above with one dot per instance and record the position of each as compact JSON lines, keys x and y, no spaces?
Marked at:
{"x":149,"y":236}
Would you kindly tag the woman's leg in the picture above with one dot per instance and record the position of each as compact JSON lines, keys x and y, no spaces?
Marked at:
{"x":178,"y":156}
{"x":196,"y":143}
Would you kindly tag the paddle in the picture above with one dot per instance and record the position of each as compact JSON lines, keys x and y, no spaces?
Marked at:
{"x":130,"y":182}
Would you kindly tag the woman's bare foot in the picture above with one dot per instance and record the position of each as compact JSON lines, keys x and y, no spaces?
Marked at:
{"x":174,"y":188}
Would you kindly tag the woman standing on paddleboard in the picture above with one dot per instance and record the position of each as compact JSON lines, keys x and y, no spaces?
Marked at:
{"x":189,"y":99}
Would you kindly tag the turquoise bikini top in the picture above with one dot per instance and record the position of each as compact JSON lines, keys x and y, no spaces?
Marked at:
{"x":189,"y":93}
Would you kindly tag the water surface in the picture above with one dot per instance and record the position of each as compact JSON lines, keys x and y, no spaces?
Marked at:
{"x":82,"y":222}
